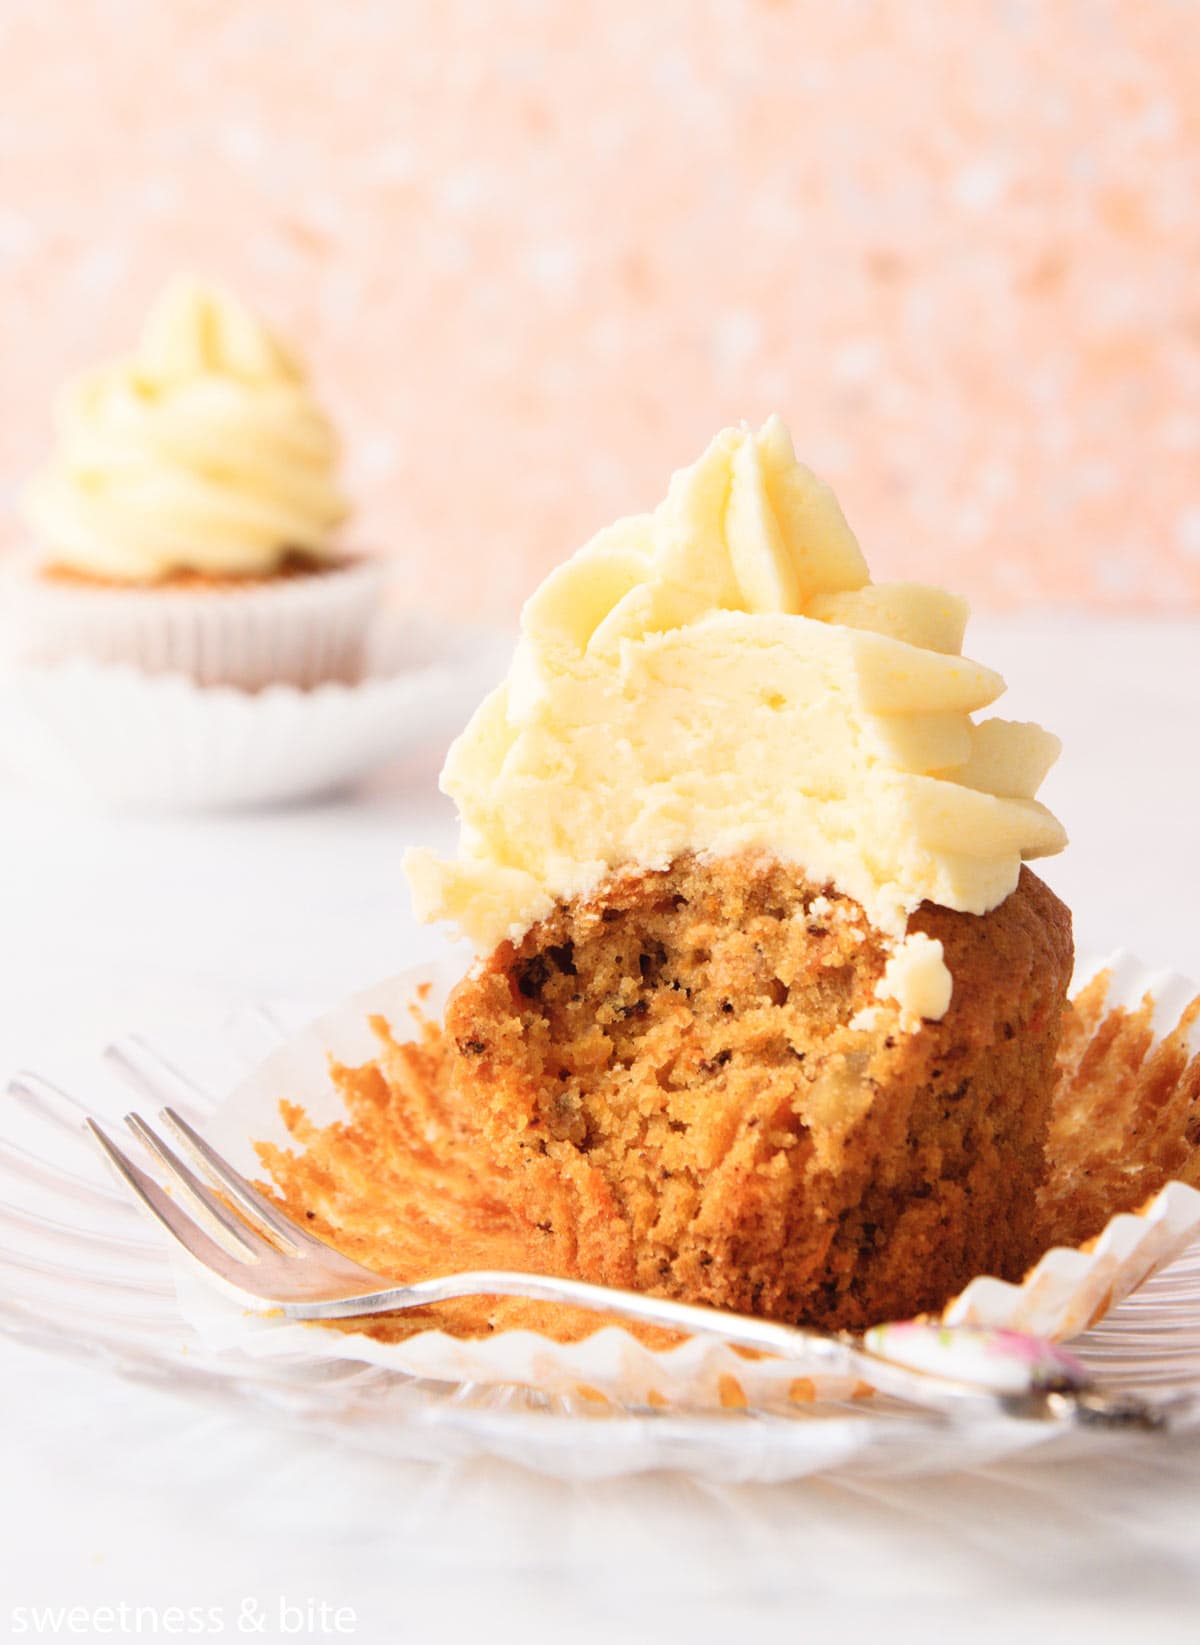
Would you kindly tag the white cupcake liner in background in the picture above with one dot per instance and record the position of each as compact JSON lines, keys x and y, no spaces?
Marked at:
{"x":1059,"y":1298}
{"x":299,"y":631}
{"x":119,"y":739}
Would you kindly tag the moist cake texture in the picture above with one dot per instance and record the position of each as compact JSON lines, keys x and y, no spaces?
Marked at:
{"x":698,"y":1063}
{"x":406,"y":1182}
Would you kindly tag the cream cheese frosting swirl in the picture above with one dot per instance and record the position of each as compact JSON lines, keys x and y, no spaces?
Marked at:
{"x":204,"y":451}
{"x":722,"y":675}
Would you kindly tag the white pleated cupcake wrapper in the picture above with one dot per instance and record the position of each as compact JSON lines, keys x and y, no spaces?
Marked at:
{"x":297,"y":631}
{"x":118,"y":738}
{"x":1064,"y":1293}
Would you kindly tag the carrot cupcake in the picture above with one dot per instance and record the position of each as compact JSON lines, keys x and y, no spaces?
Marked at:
{"x":766,"y":1005}
{"x":188,"y":520}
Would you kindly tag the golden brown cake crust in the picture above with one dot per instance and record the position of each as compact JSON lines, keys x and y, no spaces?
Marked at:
{"x":670,"y":1063}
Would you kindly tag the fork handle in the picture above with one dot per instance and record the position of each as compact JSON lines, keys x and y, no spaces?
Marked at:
{"x":928,"y":1364}
{"x":838,"y":1354}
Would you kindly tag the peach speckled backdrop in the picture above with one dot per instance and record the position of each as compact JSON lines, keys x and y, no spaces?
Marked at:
{"x":538,"y":250}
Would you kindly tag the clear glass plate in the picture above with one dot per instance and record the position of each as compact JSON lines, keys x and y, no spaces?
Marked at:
{"x":85,"y":1274}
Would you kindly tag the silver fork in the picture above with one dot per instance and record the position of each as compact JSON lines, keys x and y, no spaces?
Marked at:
{"x":271,"y":1264}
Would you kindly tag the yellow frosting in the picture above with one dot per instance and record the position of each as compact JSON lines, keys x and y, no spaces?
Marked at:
{"x":203,"y":451}
{"x":720,"y":675}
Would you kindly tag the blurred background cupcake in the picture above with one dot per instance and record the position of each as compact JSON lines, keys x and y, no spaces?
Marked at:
{"x":187,"y":522}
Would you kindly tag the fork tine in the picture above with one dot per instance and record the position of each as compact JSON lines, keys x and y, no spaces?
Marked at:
{"x":256,"y":1206}
{"x":246,"y":1239}
{"x":177,"y":1223}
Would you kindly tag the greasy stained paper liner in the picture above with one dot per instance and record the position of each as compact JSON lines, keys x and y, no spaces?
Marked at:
{"x":1063,"y":1294}
{"x":298,"y":631}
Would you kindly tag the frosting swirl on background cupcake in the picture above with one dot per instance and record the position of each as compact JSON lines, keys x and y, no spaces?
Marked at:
{"x":204,"y":451}
{"x":722,"y":675}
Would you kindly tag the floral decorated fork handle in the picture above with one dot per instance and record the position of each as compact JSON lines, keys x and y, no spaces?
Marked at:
{"x":1025,"y":1376}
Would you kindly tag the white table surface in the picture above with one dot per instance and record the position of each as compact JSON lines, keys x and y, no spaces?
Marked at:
{"x":112,"y":1493}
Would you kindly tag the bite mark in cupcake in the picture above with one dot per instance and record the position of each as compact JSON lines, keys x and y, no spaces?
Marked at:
{"x":722,"y":676}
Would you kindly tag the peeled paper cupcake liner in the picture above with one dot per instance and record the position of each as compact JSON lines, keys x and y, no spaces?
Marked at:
{"x":301,"y":631}
{"x":1065,"y":1293}
{"x":1070,"y":1289}
{"x":115,"y":737}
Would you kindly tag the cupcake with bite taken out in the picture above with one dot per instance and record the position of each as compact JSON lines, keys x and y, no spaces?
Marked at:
{"x":766,"y":1006}
{"x":188,"y":520}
